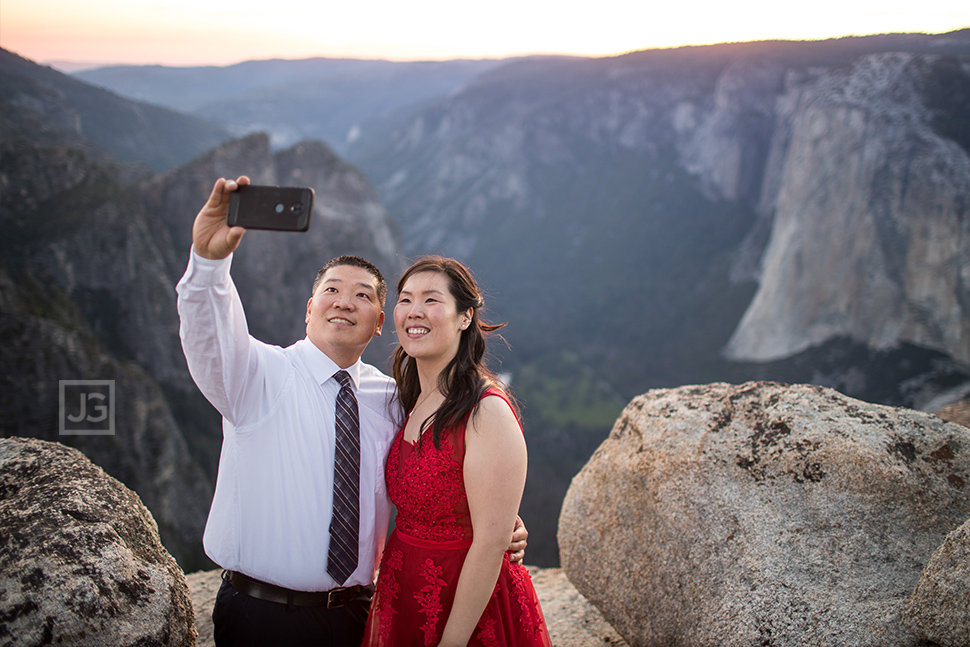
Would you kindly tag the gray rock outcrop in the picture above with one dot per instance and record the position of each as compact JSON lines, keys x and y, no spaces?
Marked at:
{"x":939,"y":609}
{"x":80,"y":558}
{"x":763,"y":514}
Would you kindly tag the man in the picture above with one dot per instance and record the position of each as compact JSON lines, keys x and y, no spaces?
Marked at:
{"x":270,"y":522}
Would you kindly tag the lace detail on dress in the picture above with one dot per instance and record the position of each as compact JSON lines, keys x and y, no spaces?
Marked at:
{"x":428,"y":489}
{"x":390,"y":587}
{"x":429,"y":599}
{"x":530,"y":616}
{"x":486,"y":624}
{"x":486,"y":632}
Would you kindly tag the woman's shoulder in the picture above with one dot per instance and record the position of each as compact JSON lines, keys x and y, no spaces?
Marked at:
{"x":495,"y":390}
{"x":495,"y":407}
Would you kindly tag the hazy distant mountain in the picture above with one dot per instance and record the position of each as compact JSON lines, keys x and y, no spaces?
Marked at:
{"x":291,"y":100}
{"x":43,"y":105}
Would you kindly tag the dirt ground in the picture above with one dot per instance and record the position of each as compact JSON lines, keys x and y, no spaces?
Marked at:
{"x":573,"y":622}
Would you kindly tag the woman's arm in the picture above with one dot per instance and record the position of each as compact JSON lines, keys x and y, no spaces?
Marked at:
{"x":495,"y":468}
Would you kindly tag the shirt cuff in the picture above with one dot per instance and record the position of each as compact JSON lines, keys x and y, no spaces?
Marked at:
{"x":207,"y":271}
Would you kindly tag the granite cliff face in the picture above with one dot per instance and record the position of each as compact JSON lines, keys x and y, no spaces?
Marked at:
{"x":871,"y":230}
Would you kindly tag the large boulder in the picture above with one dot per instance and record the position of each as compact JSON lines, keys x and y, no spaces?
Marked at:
{"x":81,"y":562}
{"x":939,"y":609}
{"x":762,"y":514}
{"x":958,"y":412}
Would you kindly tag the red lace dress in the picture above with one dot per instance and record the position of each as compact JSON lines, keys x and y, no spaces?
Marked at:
{"x":423,"y":556}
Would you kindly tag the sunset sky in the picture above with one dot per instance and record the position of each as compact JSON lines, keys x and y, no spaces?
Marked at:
{"x":203,"y":32}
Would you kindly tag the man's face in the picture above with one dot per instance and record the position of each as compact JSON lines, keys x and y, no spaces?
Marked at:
{"x":344,"y":314}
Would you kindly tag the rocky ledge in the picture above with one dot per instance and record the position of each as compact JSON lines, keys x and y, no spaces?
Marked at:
{"x":573,"y":621}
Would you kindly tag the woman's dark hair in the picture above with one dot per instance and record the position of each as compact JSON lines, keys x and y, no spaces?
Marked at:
{"x":466,"y":377}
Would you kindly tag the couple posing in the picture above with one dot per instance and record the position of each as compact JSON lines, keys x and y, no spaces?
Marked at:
{"x":317,"y":444}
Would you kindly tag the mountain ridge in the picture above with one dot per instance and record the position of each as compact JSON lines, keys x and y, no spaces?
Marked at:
{"x":317,"y":98}
{"x":41,"y":104}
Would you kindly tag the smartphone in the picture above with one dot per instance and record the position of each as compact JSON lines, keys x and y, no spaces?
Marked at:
{"x":279,"y":208}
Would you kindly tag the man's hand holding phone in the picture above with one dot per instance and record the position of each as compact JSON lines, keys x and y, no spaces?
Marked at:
{"x":236,"y":205}
{"x":212,"y":237}
{"x":277,"y":208}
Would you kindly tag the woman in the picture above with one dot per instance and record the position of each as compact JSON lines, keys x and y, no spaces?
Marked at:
{"x":456,"y":472}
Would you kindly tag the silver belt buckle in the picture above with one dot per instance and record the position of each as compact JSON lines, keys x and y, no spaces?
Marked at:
{"x":331,"y":603}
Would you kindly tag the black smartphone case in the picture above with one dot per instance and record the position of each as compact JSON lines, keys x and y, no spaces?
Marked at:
{"x":271,"y":207}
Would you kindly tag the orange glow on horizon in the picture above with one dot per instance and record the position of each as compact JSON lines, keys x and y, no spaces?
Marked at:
{"x":204,"y":32}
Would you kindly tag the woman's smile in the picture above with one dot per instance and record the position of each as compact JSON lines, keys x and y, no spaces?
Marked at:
{"x":426,"y":317}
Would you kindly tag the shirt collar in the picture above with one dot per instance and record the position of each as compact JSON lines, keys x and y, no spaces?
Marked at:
{"x":322,"y":368}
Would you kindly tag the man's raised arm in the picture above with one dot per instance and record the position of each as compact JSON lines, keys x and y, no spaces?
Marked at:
{"x":212,"y":325}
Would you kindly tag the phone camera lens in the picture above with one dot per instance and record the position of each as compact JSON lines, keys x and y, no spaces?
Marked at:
{"x":280,"y":207}
{"x":296,"y":208}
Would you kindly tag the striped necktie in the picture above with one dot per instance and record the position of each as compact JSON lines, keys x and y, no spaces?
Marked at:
{"x":345,"y":525}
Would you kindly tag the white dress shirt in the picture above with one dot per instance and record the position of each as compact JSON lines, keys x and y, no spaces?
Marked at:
{"x":270,"y":515}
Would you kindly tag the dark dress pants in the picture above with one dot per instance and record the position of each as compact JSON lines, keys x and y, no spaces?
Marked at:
{"x":243,"y":620}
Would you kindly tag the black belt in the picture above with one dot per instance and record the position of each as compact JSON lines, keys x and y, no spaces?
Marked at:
{"x":271,"y":593}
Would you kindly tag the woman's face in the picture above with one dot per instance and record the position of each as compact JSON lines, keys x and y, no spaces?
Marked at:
{"x":428,"y":323}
